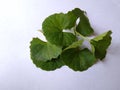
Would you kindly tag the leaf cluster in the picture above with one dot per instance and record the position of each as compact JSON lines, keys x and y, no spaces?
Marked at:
{"x":65,"y":38}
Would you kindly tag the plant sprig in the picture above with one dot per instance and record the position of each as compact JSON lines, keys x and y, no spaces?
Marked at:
{"x":64,"y":48}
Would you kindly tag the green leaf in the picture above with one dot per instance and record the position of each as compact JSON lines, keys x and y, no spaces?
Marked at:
{"x":43,"y":51}
{"x":75,"y":44}
{"x":101,"y":43}
{"x":83,"y":26}
{"x":69,"y":20}
{"x":78,"y":12}
{"x":78,"y":60}
{"x":68,"y":39}
{"x":54,"y":25}
{"x":49,"y":65}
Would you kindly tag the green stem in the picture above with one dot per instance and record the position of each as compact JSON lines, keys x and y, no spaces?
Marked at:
{"x":74,"y":29}
{"x":40,"y":31}
{"x":83,"y":37}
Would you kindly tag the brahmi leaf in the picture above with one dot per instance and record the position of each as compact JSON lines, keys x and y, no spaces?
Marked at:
{"x":83,"y":26}
{"x":101,"y":43}
{"x":54,"y":25}
{"x":78,"y":60}
{"x":44,"y":51}
{"x":49,"y":65}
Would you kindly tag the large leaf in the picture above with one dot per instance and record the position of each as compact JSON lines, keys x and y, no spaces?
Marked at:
{"x":101,"y":43}
{"x":83,"y":26}
{"x":49,"y":65}
{"x":78,"y":60}
{"x":43,"y":51}
{"x":54,"y":25}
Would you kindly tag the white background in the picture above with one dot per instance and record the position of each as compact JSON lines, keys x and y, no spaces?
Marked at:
{"x":19,"y":22}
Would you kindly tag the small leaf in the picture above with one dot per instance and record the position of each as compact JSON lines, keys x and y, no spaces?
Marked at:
{"x":49,"y":65}
{"x":43,"y":51}
{"x":53,"y":26}
{"x":83,"y":26}
{"x":101,"y":43}
{"x":75,"y":44}
{"x":78,"y":60}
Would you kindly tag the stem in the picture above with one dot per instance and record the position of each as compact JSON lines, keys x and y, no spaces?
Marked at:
{"x":40,"y":31}
{"x":92,"y":49}
{"x":83,"y":37}
{"x":74,"y":29}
